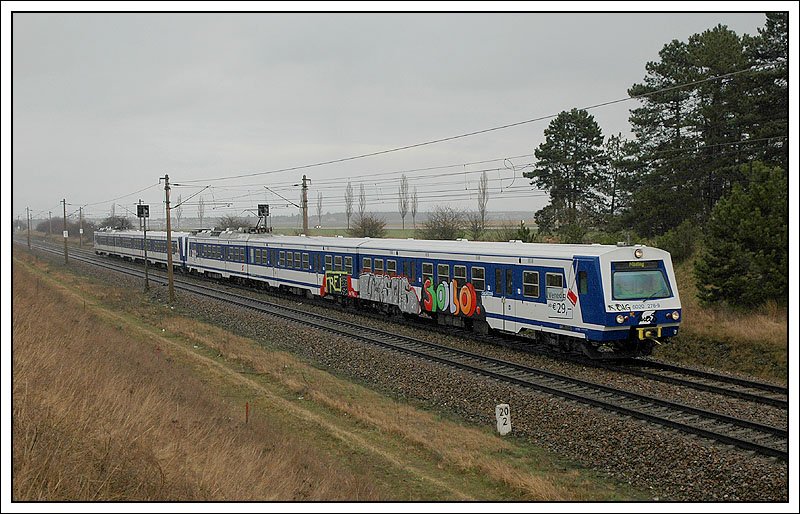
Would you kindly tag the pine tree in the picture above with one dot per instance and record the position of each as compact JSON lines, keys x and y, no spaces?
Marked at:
{"x":569,"y":165}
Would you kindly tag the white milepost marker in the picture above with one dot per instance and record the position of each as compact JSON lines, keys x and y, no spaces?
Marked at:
{"x":503,"y":414}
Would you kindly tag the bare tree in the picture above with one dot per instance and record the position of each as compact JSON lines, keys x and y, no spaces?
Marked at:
{"x":476,"y":228}
{"x":483,"y":198}
{"x":231,"y":221}
{"x":414,"y":207}
{"x":319,"y":209}
{"x":178,"y":212}
{"x":368,"y":225}
{"x":403,"y":200}
{"x":444,"y":223}
{"x":362,"y":202}
{"x":348,"y":202}
{"x":201,"y":209}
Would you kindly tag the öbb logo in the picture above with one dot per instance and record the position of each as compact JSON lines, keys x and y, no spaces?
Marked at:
{"x":447,"y":297}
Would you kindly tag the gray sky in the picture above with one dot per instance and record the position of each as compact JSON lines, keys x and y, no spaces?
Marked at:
{"x":105,"y":104}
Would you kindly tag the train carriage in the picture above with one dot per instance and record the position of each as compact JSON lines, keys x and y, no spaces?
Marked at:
{"x":129,"y":244}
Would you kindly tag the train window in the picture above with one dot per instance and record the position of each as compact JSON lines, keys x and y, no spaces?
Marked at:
{"x":583,"y":283}
{"x":530,"y":284}
{"x":406,"y":268}
{"x":460,"y":274}
{"x":555,"y":280}
{"x":348,"y":265}
{"x":366,"y":265}
{"x":443,"y":273}
{"x":509,"y":282}
{"x":297,"y":261}
{"x":391,"y":267}
{"x":630,"y":285}
{"x":378,"y":266}
{"x":282,"y":259}
{"x":328,"y":263}
{"x":498,"y":281}
{"x":478,"y":278}
{"x":427,"y":272}
{"x":305,"y":261}
{"x":290,"y":259}
{"x":413,"y":270}
{"x":337,"y":263}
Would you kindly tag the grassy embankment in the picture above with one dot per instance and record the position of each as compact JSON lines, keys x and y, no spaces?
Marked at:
{"x":116,"y":397}
{"x":753,"y":342}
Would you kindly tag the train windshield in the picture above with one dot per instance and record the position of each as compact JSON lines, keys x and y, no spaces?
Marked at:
{"x":639,"y":285}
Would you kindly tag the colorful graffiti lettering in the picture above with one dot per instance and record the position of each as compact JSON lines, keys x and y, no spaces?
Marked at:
{"x":337,"y":282}
{"x":447,"y":297}
{"x":391,"y":290}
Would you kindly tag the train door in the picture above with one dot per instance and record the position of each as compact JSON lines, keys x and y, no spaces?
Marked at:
{"x":504,"y":289}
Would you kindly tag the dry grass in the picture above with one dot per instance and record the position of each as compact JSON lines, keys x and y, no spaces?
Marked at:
{"x":468,"y":450}
{"x":768,"y":324}
{"x":101,"y":415}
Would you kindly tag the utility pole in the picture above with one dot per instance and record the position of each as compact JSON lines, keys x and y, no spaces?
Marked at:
{"x":66,"y":234}
{"x":50,"y":223}
{"x":80,"y":232}
{"x":28,"y":213}
{"x":143,"y":223}
{"x":305,"y":204}
{"x":169,"y":242}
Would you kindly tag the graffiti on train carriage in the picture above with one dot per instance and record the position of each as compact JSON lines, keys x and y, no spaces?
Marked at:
{"x":447,"y":297}
{"x":337,"y":282}
{"x":392,"y":290}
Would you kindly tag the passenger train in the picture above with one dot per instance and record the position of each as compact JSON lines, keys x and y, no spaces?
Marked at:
{"x":604,"y":300}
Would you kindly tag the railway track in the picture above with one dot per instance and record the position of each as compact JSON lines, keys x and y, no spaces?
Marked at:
{"x":745,"y":434}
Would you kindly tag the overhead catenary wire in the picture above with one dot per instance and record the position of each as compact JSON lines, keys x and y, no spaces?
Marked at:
{"x":477,"y":132}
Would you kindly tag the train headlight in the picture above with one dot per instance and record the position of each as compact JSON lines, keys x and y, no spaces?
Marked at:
{"x":638,"y":253}
{"x":676,"y":315}
{"x":620,"y":318}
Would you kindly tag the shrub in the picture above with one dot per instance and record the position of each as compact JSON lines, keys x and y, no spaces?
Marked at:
{"x":745,"y":262}
{"x":680,"y":242}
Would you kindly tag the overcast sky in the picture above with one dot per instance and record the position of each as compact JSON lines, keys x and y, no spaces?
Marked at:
{"x":105,"y":104}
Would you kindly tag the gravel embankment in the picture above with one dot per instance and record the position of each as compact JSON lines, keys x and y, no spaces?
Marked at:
{"x":672,"y":465}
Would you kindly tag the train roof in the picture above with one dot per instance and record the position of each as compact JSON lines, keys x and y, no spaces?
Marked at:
{"x":461,"y":246}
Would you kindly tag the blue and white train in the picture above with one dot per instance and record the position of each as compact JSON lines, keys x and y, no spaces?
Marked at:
{"x":605,"y":300}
